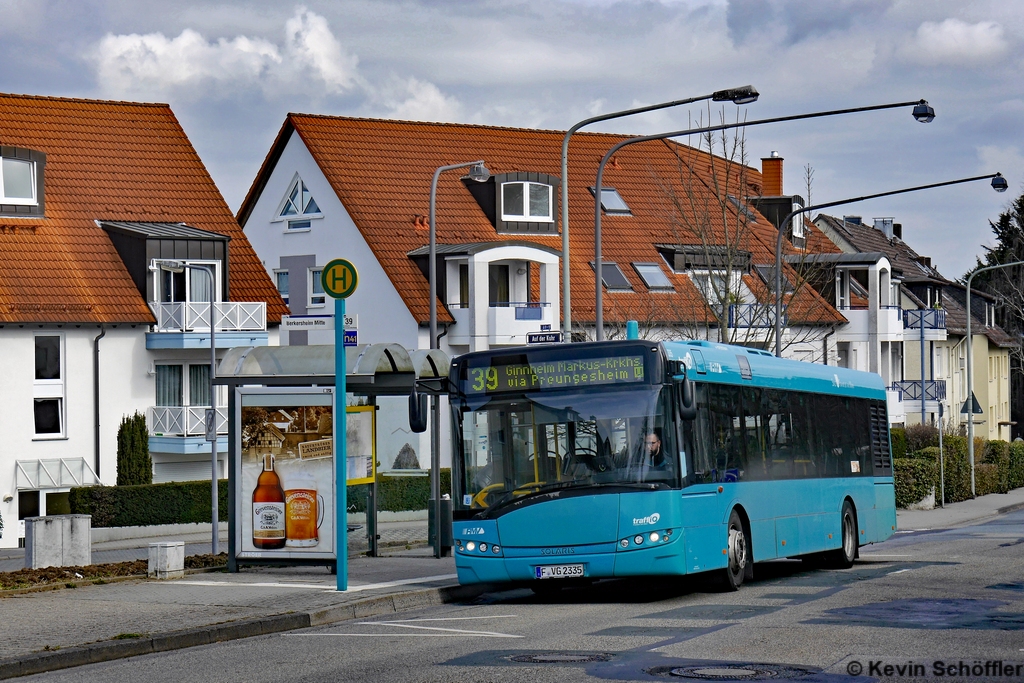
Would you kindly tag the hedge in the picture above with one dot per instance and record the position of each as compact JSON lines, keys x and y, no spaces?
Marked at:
{"x":189,"y":502}
{"x":147,"y":504}
{"x":914,"y":478}
{"x":986,"y":478}
{"x":1016,"y":477}
{"x":921,"y":436}
{"x":898,"y":439}
{"x":997,"y":453}
{"x":957,"y":469}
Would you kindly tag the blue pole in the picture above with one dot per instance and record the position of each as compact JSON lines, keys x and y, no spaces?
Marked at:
{"x":340,"y":447}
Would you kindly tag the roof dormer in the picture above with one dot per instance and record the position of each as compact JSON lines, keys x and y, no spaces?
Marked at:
{"x":21,"y":181}
{"x":522,"y":202}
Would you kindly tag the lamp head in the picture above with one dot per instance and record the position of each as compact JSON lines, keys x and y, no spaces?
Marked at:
{"x":999,"y":183}
{"x":173,"y":265}
{"x":742,"y":95}
{"x":479,"y":173}
{"x":924,"y":112}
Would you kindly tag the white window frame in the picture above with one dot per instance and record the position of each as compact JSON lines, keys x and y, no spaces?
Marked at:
{"x":310,"y":279}
{"x":527,"y":217}
{"x":186,"y":384}
{"x":284,"y":295}
{"x":158,"y":280}
{"x":51,"y":388}
{"x":278,"y":218}
{"x":20,"y":201}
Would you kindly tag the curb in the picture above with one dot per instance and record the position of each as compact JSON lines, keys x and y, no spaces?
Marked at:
{"x":111,"y":650}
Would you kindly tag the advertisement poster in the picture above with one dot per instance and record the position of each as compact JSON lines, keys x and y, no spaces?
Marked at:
{"x":285,"y":484}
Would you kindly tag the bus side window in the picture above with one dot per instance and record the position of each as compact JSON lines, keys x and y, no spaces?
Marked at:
{"x":703,"y":469}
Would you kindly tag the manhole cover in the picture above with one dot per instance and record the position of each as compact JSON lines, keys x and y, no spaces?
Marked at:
{"x":722,"y":671}
{"x":562,"y":657}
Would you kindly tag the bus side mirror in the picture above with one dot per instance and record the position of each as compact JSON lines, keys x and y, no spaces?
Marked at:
{"x":685,"y":404}
{"x":417,"y":411}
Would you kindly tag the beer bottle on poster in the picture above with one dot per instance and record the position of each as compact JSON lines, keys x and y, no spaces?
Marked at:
{"x":268,"y":508}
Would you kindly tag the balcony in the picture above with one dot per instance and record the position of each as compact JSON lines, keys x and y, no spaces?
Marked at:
{"x":186,"y":325}
{"x":894,"y":404}
{"x":181,"y":430}
{"x":931,"y":320}
{"x":754,"y":315}
{"x":509,"y":323}
{"x":890,"y":323}
{"x":910,"y":392}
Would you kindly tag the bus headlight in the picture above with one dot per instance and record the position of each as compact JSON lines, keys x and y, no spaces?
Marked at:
{"x":483,"y":547}
{"x":495,"y":549}
{"x":624,"y":543}
{"x":638,"y":539}
{"x":471,"y":546}
{"x":655,"y":537}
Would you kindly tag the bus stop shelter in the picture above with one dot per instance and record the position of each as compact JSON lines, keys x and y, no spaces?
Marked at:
{"x":372,"y":370}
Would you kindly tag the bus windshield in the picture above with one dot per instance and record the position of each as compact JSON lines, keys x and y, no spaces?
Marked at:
{"x":514,"y":446}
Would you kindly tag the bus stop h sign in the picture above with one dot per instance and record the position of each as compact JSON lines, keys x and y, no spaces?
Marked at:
{"x":339,"y":279}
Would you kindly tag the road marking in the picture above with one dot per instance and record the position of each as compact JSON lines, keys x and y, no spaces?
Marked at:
{"x":397,"y":635}
{"x":400,"y":582}
{"x":413,"y":621}
{"x":898,"y":571}
{"x":222,"y":584}
{"x":438,"y":628}
{"x":882,"y":555}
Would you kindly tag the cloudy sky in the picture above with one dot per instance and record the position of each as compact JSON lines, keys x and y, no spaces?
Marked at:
{"x":232,"y":70}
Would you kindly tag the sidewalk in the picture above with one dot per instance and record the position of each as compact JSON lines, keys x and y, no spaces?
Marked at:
{"x":959,"y":514}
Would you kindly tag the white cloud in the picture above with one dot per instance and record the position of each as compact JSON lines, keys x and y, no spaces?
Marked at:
{"x":955,"y":43}
{"x":132,"y":64}
{"x":416,"y":100}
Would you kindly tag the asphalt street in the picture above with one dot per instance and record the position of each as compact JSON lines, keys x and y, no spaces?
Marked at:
{"x":942,"y":605}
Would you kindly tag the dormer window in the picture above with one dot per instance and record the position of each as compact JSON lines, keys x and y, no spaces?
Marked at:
{"x":21,"y":181}
{"x":526,"y":202}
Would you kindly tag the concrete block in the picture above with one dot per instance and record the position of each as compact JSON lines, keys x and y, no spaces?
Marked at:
{"x":58,"y":541}
{"x":167,"y":560}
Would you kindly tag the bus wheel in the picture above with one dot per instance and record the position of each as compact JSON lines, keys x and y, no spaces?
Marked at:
{"x":739,"y":554}
{"x":843,"y":557}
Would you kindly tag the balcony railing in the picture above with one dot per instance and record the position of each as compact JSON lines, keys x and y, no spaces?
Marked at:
{"x":753,"y":315}
{"x":184,"y":420}
{"x":929,"y":318}
{"x":934,"y":389}
{"x":53,"y":473}
{"x":194,"y":316}
{"x":525,"y":310}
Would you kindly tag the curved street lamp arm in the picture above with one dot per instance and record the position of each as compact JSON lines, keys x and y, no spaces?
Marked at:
{"x":785,"y":221}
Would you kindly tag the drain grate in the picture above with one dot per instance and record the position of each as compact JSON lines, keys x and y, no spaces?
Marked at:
{"x":562,"y":657}
{"x":733,"y":671}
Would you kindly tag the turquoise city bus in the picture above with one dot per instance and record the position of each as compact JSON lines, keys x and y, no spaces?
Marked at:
{"x":635,"y":458}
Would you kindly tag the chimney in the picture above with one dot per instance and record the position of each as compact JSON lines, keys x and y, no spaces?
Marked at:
{"x":897,"y":230}
{"x":771,"y":173}
{"x":884,"y":226}
{"x":925,"y":261}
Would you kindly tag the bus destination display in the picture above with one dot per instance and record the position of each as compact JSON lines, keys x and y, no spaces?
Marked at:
{"x":555,"y":374}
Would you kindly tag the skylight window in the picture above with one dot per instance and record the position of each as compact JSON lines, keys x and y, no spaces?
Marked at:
{"x":526,"y":202}
{"x":613,"y":277}
{"x":653,"y":276}
{"x":612,"y":202}
{"x":299,"y":202}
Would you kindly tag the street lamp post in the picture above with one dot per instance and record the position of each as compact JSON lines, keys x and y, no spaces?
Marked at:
{"x":478,"y":173}
{"x":970,"y":359}
{"x":922,"y":112}
{"x":742,"y":95}
{"x":998,"y":184}
{"x":176,"y":266}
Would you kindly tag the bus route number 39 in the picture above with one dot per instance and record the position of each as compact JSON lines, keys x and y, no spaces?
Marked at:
{"x":559,"y":571}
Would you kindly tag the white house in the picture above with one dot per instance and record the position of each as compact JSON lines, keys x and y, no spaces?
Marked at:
{"x":94,"y":196}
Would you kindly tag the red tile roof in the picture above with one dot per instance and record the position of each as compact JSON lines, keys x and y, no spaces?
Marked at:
{"x":117,"y":161}
{"x":381,"y":171}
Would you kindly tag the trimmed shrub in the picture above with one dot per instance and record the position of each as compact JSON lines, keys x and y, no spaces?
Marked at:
{"x":898,"y":438}
{"x":173,"y":503}
{"x":921,"y":436}
{"x":914,"y":478}
{"x":957,"y":469}
{"x":1016,"y":466}
{"x":998,"y":453}
{"x":931,"y":453}
{"x":134,"y":466}
{"x":986,"y":478}
{"x":398,"y":494}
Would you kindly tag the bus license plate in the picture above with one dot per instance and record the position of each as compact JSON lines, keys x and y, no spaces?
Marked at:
{"x":560,"y":571}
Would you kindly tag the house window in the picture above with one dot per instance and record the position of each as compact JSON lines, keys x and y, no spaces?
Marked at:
{"x":525,"y":201}
{"x":463,"y":285}
{"x":612,"y":202}
{"x":613,"y":277}
{"x":189,"y":285}
{"x":652,"y":275}
{"x":173,"y":384}
{"x":299,"y":225}
{"x":298,"y":202}
{"x":281,"y":276}
{"x":713,"y":286}
{"x":48,"y":387}
{"x":315,"y":288}
{"x":18,"y":182}
{"x":498,"y":284}
{"x":169,"y":385}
